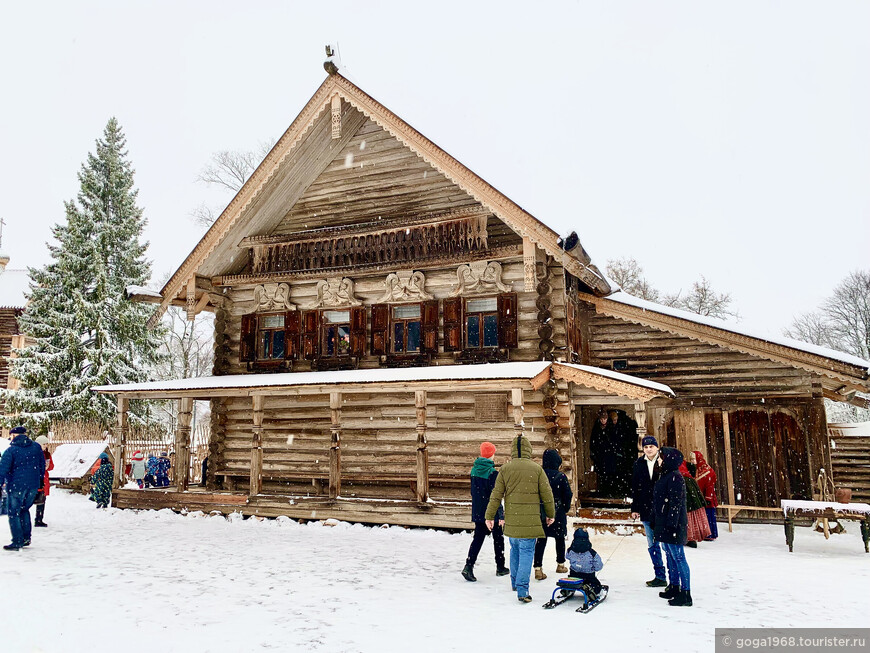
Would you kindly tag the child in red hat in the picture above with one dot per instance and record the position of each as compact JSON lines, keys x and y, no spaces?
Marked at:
{"x":483,"y":477}
{"x":137,"y":468}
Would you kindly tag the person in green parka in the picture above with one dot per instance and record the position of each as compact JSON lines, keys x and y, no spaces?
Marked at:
{"x":101,"y":482}
{"x":523,"y":485}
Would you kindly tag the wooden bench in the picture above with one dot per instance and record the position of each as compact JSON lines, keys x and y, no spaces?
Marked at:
{"x":826,"y":511}
{"x":733,"y":509}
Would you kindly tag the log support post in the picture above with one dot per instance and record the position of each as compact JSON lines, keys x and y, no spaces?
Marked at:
{"x":182,"y":444}
{"x":517,"y":403}
{"x":120,"y":452}
{"x":422,"y":447}
{"x":729,"y":468}
{"x":257,"y":446}
{"x":335,"y":445}
{"x":640,"y":418}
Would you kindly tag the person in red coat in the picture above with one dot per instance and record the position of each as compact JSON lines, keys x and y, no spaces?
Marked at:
{"x":45,"y":488}
{"x":706,"y":479}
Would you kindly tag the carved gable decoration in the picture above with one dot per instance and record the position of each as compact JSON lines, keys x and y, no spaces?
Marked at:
{"x":405,"y":286}
{"x":479,"y":277}
{"x":335,"y":293}
{"x":273,"y":297}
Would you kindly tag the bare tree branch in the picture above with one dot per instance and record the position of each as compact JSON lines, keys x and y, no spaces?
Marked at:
{"x":628,"y":273}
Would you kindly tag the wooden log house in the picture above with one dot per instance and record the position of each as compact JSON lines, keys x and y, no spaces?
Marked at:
{"x":380,"y":310}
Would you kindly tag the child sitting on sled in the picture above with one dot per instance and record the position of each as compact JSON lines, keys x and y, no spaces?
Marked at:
{"x":584,"y":563}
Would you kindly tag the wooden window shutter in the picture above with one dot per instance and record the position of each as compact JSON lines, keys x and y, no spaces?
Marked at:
{"x":507,"y":320}
{"x":310,"y":335}
{"x":292,"y":329}
{"x":453,"y":324}
{"x":248,"y":338}
{"x":380,"y":329}
{"x":358,"y":331}
{"x":430,"y":327}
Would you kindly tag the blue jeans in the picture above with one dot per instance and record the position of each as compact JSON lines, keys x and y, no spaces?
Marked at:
{"x":522,"y":553}
{"x":18,"y":504}
{"x":678,"y":568}
{"x":655,"y":552}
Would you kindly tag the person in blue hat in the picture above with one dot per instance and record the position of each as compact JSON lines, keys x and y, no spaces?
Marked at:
{"x":23,"y":468}
{"x":101,"y":482}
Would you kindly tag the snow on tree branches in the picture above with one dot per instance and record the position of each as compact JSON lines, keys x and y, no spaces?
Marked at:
{"x":84,"y":331}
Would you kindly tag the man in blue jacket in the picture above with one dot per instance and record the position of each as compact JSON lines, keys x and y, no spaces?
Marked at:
{"x":483,"y":477}
{"x":23,"y":467}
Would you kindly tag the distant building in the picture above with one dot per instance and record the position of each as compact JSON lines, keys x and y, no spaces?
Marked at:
{"x":13,"y":297}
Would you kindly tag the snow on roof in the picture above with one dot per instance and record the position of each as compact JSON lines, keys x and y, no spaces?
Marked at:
{"x":142,"y":290}
{"x":337,"y":377}
{"x":75,"y":460}
{"x":516,"y":370}
{"x":14,"y":288}
{"x":630,"y":300}
{"x":625,"y":378}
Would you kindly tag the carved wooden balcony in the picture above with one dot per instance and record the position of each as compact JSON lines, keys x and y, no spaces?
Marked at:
{"x":380,"y":243}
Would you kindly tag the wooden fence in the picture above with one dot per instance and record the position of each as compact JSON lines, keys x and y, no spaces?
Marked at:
{"x":151,"y":440}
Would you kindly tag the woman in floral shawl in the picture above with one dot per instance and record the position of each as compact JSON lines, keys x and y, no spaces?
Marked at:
{"x":698,"y":528}
{"x":706,"y":478}
{"x":101,"y":482}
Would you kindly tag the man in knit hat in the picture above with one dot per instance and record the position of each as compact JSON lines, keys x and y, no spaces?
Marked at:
{"x":23,"y":467}
{"x":646,"y":472}
{"x":525,"y":488}
{"x":483,"y":475}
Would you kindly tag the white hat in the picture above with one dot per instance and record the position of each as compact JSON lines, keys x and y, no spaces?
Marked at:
{"x":42,"y":440}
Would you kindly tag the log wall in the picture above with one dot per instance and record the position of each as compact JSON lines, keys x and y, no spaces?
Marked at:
{"x":378,"y":430}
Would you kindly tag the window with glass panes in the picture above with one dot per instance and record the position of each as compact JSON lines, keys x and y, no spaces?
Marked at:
{"x":270,"y":337}
{"x":335,"y":332}
{"x":406,"y":329}
{"x":481,"y":323}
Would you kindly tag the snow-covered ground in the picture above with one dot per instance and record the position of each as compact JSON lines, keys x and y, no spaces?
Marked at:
{"x":119,"y":580}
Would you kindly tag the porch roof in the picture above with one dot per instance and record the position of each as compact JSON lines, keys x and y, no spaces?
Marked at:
{"x":527,"y":375}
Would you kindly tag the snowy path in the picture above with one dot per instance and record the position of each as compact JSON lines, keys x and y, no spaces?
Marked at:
{"x":118,"y":580}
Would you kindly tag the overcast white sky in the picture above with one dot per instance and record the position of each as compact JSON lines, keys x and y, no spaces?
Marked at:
{"x":729,"y":139}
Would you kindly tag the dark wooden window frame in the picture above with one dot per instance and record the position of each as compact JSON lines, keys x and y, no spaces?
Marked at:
{"x":482,"y":315}
{"x":250,"y":338}
{"x":405,"y":321}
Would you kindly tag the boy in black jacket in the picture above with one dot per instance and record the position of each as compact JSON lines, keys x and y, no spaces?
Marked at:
{"x":483,"y":477}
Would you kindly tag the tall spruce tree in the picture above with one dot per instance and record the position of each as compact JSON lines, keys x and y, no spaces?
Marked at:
{"x":85,"y":332}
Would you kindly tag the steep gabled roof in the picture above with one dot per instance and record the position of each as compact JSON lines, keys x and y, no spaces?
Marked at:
{"x":336,"y":86}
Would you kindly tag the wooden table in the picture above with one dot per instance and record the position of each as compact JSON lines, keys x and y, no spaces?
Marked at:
{"x":826,"y":511}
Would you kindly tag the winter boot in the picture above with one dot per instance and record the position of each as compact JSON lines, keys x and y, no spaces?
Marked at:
{"x":12,"y":547}
{"x":692,"y":545}
{"x":670,"y":592}
{"x":41,"y":524}
{"x":561,"y":569}
{"x":501,"y":570}
{"x":468,"y":573}
{"x":683,"y":598}
{"x":525,"y":599}
{"x":656,"y":582}
{"x":539,"y":574}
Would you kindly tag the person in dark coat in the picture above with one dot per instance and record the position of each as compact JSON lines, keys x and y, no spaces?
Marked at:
{"x":562,"y":495}
{"x":646,"y":472}
{"x":163,"y":467}
{"x":23,"y":468}
{"x":101,"y":482}
{"x":204,"y":471}
{"x":671,"y":525}
{"x":483,"y":476}
{"x":603,"y":450}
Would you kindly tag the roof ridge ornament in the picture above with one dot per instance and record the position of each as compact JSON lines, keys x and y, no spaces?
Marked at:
{"x":333,"y":60}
